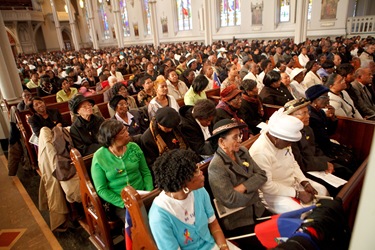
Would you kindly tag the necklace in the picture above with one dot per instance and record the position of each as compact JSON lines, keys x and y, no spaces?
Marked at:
{"x":186,"y":215}
{"x":118,"y":170}
{"x":117,"y":156}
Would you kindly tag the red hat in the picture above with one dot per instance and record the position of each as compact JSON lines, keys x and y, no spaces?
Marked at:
{"x":229,"y":93}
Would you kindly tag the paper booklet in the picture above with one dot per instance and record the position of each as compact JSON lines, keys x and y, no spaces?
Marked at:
{"x":223,"y":211}
{"x":329,"y":178}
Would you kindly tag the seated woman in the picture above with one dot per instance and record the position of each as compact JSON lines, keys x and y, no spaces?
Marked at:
{"x":66,"y":93}
{"x":197,"y":90}
{"x":45,"y":87}
{"x":147,"y":91}
{"x":196,"y":126}
{"x":308,"y":156}
{"x":251,"y":110}
{"x":26,"y":100}
{"x":182,"y":217}
{"x":187,"y":77}
{"x":324,"y":125}
{"x":85,"y":128}
{"x":176,"y":87}
{"x":227,"y":108}
{"x":120,"y":89}
{"x":118,"y":163}
{"x":43,"y":117}
{"x":233,"y":77}
{"x":162,"y":135}
{"x":162,"y":99}
{"x":130,"y":118}
{"x":274,"y":92}
{"x":235,"y":179}
{"x":286,"y":184}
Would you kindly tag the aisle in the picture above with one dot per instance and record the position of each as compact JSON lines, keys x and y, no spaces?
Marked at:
{"x":21,"y":225}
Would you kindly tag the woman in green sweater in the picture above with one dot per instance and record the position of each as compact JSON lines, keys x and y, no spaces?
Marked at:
{"x":118,"y":163}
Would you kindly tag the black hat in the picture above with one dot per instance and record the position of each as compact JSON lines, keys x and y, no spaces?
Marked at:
{"x":76,"y":101}
{"x":167,"y":117}
{"x":223,"y":126}
{"x":115,"y":100}
{"x":315,"y":91}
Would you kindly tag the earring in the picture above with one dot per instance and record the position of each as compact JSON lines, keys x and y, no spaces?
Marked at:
{"x":186,"y":190}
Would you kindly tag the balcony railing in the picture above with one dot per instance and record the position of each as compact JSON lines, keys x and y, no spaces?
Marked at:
{"x":360,"y":25}
{"x":22,"y":15}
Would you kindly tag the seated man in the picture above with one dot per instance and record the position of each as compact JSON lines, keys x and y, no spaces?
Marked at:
{"x":43,"y":117}
{"x":308,"y":156}
{"x":285,"y":180}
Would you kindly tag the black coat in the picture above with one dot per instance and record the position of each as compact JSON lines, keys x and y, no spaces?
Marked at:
{"x":192,"y":132}
{"x":249,"y":113}
{"x":275,"y":96}
{"x":37,"y":122}
{"x":137,"y":124}
{"x":84,"y":134}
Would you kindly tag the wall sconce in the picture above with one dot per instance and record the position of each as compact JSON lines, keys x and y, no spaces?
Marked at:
{"x":81,"y":4}
{"x":131,"y":3}
{"x":66,"y":8}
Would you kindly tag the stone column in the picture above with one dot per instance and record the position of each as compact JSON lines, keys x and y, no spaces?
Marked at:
{"x":118,"y":24}
{"x":57,"y":25}
{"x":207,"y":22}
{"x":10,"y":83}
{"x":73,"y":25}
{"x":154,"y":27}
{"x":301,"y":21}
{"x":90,"y":15}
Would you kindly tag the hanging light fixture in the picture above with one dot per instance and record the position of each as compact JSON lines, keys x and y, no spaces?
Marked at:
{"x":81,"y":4}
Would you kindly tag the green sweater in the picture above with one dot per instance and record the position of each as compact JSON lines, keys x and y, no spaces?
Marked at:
{"x":111,"y":174}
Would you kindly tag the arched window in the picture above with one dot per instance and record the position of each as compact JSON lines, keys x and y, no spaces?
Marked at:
{"x":230,"y":14}
{"x":125,"y":18}
{"x":284,"y":11}
{"x":147,"y":17}
{"x":185,"y":21}
{"x":103,"y":20}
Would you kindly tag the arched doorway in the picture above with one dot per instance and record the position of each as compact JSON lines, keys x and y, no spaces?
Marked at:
{"x":67,"y":41}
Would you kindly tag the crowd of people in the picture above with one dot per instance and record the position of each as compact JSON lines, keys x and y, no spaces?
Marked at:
{"x":147,"y":138}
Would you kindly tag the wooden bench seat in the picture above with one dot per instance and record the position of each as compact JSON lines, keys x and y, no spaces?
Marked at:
{"x":99,"y":228}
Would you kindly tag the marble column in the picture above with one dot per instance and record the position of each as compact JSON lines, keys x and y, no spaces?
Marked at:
{"x":73,"y":25}
{"x":10,"y":83}
{"x":301,"y":21}
{"x":207,"y":23}
{"x":118,"y":24}
{"x":57,"y":25}
{"x":154,"y":27}
{"x":90,"y":15}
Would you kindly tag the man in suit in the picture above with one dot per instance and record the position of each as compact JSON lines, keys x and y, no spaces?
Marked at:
{"x":364,"y":103}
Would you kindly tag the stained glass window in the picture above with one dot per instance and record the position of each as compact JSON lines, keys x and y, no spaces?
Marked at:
{"x":185,"y":21}
{"x":309,"y":10}
{"x":284,"y":11}
{"x":230,"y":14}
{"x":125,"y":18}
{"x":147,"y":16}
{"x":104,"y":21}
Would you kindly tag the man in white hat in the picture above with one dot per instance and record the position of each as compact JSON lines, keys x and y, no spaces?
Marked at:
{"x":286,"y":188}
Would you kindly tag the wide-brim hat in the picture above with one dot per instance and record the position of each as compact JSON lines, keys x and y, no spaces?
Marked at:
{"x":295,"y":72}
{"x":76,"y":101}
{"x":223,"y":126}
{"x":295,"y":105}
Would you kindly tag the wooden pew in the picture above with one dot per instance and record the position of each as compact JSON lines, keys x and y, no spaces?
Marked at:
{"x":214,"y":95}
{"x":49,"y":99}
{"x":96,"y":222}
{"x":103,"y":107}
